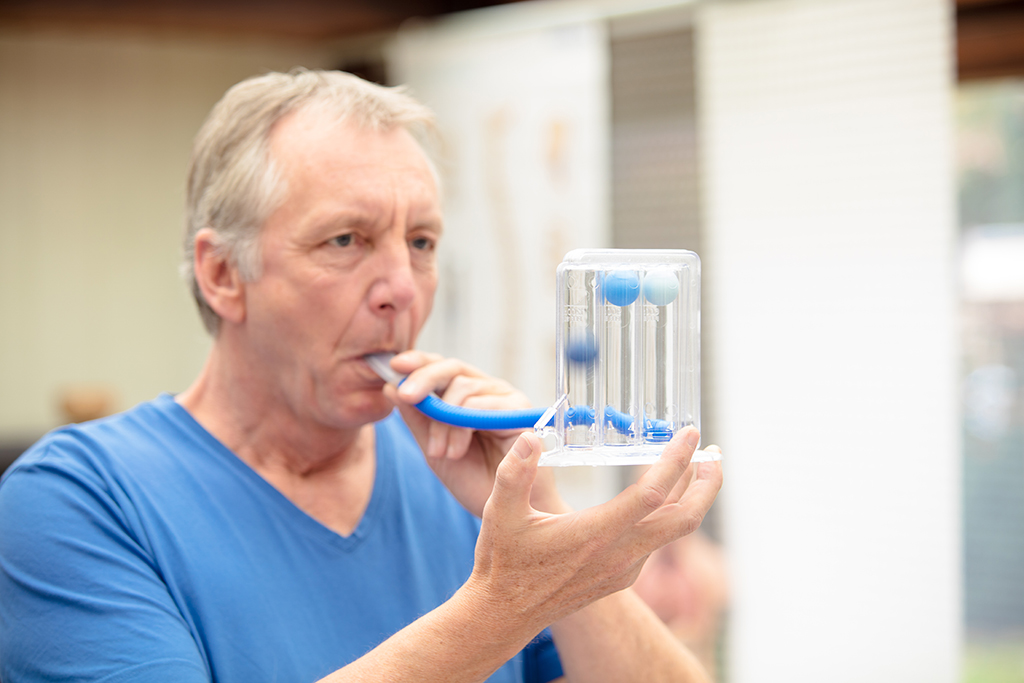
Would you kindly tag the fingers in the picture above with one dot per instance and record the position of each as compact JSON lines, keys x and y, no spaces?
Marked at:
{"x":407,"y":361}
{"x":459,"y":439}
{"x":418,"y":423}
{"x":514,"y":479}
{"x":433,"y":375}
{"x":427,"y":373}
{"x":657,"y":484}
{"x":481,"y":393}
{"x":677,"y":520}
{"x":688,"y":477}
{"x":683,"y":483}
{"x":434,"y":438}
{"x":458,"y":384}
{"x":447,"y":441}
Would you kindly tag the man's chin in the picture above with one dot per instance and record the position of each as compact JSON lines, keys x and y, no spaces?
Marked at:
{"x":369,"y":407}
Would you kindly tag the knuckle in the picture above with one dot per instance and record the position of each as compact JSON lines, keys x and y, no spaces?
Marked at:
{"x":653,"y":495}
{"x":507,"y":473}
{"x":691,"y":522}
{"x":590,"y":545}
{"x":468,"y":384}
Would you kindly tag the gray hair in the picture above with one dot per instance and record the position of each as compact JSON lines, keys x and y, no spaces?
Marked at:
{"x":233,"y":182}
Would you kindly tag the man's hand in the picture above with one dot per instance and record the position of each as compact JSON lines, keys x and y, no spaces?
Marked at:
{"x":464,"y":459}
{"x":550,"y":566}
{"x":533,"y":568}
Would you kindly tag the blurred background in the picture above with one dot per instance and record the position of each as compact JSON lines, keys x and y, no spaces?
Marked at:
{"x":850,"y":171}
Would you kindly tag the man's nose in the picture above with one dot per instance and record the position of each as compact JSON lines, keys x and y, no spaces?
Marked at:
{"x":394,"y":289}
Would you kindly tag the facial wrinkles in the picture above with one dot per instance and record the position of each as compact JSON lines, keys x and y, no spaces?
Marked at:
{"x":385,"y":196}
{"x":400,"y":200}
{"x":396,"y":288}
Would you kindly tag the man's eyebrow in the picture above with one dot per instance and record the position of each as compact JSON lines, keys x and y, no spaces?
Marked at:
{"x":433,"y":222}
{"x":342,"y":218}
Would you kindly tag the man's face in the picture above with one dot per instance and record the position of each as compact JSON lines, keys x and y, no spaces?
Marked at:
{"x":348,"y":266}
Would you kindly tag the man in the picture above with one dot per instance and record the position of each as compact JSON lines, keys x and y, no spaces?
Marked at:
{"x":275,"y":520}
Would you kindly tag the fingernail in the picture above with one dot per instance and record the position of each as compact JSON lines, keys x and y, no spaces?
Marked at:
{"x":408,"y":389}
{"x":693,"y":438}
{"x":522,"y":447}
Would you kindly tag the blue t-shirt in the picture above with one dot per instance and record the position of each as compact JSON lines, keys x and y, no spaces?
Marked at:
{"x":139,"y":548}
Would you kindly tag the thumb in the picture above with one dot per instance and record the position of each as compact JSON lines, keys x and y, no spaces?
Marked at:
{"x":514,"y":478}
{"x":417,"y":422}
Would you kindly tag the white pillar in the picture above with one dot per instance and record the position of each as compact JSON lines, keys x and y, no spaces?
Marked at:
{"x":830,"y":234}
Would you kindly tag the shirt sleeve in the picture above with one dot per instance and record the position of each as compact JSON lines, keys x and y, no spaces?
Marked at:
{"x":540,"y":660}
{"x":80,"y":599}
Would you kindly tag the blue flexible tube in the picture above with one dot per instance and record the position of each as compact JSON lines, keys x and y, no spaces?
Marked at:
{"x":436,"y":409}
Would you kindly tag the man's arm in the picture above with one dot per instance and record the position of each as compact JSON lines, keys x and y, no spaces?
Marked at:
{"x":534,"y":568}
{"x":615,"y":639}
{"x":80,"y":598}
{"x":620,"y":638}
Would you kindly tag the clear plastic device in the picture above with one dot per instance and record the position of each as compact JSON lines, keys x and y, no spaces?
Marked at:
{"x":627,"y":361}
{"x":628,"y":356}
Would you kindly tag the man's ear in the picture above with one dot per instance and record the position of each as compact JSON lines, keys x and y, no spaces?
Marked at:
{"x":218,"y":278}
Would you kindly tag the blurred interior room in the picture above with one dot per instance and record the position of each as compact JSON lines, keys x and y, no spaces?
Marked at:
{"x":851,"y":173}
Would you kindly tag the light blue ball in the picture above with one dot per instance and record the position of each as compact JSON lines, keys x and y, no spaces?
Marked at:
{"x":661,"y":287}
{"x":621,"y":287}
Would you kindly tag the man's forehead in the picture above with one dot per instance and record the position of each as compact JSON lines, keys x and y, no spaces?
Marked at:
{"x":315,"y":136}
{"x":327,"y":162}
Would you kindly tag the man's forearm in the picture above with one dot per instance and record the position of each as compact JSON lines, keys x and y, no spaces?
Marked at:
{"x":535,"y":568}
{"x":620,"y":639}
{"x":462,"y":641}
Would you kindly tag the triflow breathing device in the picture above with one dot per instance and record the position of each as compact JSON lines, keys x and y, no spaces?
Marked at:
{"x":627,"y":361}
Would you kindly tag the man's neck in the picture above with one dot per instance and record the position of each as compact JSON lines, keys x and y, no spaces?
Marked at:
{"x":328,"y":473}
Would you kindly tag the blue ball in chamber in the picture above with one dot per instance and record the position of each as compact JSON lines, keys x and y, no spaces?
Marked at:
{"x":661,"y":287}
{"x":619,"y":421}
{"x":580,"y":415}
{"x":581,"y":347}
{"x":658,"y":431}
{"x":621,"y":287}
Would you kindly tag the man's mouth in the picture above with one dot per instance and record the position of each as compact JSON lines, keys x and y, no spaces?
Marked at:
{"x":380,"y":363}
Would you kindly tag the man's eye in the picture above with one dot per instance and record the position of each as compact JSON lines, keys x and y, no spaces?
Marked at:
{"x":342,"y":240}
{"x":422,"y":243}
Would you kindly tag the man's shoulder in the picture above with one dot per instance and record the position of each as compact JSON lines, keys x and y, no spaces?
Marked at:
{"x":125,"y":440}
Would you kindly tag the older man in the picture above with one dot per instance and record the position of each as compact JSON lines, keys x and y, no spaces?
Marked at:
{"x":276,"y":520}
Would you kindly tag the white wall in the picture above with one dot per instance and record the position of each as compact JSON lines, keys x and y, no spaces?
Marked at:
{"x":95,"y":133}
{"x":830,"y":232}
{"x":521,"y":96}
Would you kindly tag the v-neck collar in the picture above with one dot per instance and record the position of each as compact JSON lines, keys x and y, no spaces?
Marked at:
{"x":383,"y":483}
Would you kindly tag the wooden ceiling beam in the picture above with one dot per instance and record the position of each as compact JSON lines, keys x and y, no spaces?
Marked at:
{"x":989,"y":33}
{"x":989,"y":38}
{"x":300,"y":19}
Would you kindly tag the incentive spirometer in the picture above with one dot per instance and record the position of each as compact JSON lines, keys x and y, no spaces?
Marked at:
{"x":627,"y":361}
